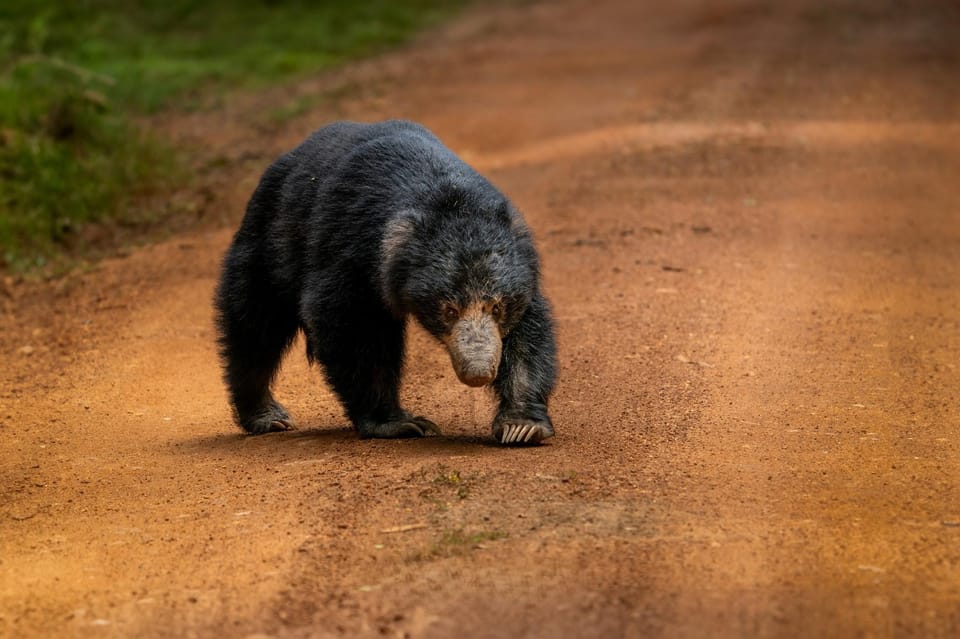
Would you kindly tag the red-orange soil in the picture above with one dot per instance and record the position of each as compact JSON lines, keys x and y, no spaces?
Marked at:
{"x":749,"y":219}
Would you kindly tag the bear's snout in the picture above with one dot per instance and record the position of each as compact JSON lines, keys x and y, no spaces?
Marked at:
{"x":474,"y":345}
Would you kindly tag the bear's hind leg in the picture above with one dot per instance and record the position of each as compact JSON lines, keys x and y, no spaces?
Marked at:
{"x":363,"y":361}
{"x":255,"y":331}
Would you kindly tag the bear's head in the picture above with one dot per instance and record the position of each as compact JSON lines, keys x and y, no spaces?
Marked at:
{"x":467,"y":273}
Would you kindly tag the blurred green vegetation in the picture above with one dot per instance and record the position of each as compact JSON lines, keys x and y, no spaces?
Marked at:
{"x":75,"y":76}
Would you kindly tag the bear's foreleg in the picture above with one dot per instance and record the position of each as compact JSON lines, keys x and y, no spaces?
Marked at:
{"x":526,"y":378}
{"x":362,"y":357}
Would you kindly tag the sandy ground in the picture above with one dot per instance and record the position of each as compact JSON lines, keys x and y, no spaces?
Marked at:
{"x":749,"y":218}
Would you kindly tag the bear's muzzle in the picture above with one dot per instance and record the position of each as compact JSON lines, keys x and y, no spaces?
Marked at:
{"x":474,"y":344}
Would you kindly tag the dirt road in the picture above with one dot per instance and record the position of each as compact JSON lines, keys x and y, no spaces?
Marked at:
{"x":749,"y":217}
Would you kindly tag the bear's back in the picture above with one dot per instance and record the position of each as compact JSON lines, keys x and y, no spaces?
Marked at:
{"x":348,"y":169}
{"x":395,"y":158}
{"x":363,"y":148}
{"x":340,"y":189}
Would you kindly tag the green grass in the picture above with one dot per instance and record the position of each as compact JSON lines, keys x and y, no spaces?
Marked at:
{"x":75,"y":76}
{"x":456,"y":542}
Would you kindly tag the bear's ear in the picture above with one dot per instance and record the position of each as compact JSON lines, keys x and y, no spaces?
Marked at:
{"x":397,"y":234}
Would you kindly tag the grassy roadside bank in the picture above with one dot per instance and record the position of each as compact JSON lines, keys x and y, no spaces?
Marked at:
{"x":74,"y":77}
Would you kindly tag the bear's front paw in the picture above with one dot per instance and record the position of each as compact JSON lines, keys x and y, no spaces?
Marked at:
{"x":406,"y":426}
{"x":521,"y":431}
{"x":271,"y":419}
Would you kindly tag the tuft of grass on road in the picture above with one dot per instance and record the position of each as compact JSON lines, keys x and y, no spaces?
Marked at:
{"x":74,"y":77}
{"x":454,"y":543}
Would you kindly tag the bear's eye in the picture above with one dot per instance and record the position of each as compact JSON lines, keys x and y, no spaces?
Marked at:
{"x":497,"y":311}
{"x":450,"y":314}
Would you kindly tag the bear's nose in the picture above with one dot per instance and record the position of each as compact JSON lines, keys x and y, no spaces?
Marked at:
{"x":474,"y":345}
{"x":477,"y":378}
{"x":476,"y":359}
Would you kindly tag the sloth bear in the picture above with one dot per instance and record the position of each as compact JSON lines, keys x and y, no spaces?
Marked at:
{"x":351,"y":232}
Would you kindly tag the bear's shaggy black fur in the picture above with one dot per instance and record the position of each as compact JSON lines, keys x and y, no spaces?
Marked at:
{"x":351,"y":232}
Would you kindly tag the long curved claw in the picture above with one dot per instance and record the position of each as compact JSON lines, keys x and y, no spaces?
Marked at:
{"x":426,"y":425}
{"x":272,"y":418}
{"x":282,"y":425}
{"x":406,"y":426}
{"x":521,"y":432}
